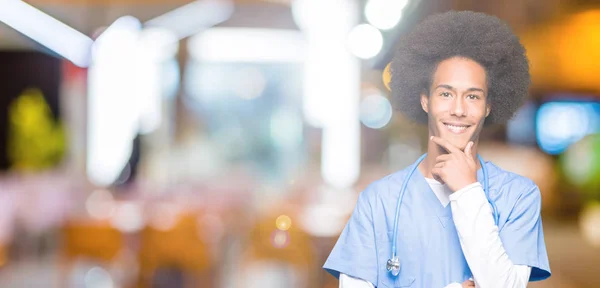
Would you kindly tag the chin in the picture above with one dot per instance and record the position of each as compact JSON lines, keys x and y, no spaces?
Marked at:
{"x":459,"y":141}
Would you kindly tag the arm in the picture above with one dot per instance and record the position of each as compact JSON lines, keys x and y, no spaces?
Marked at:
{"x":351,"y":282}
{"x":355,"y":251}
{"x":481,"y":243}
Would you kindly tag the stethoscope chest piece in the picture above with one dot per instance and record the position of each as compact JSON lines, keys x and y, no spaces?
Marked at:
{"x":393,"y":265}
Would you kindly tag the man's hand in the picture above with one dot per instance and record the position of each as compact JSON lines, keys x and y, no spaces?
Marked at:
{"x":468,"y":283}
{"x":457,"y":168}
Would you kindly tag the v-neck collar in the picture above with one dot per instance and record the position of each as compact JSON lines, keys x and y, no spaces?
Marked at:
{"x":420,"y":185}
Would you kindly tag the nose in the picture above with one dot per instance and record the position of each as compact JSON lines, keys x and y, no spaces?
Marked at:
{"x":458,"y":107}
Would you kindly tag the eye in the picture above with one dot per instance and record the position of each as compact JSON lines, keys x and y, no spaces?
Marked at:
{"x":445,"y":94}
{"x":472,"y":97}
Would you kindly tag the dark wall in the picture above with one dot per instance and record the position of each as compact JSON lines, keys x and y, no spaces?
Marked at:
{"x":20,"y":70}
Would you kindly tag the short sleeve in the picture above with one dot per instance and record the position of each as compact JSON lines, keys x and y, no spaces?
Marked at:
{"x":523,"y":237}
{"x":355,"y":252}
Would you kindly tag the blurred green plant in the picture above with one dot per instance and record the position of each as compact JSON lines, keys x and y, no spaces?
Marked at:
{"x":35,"y":140}
{"x":581,"y":166}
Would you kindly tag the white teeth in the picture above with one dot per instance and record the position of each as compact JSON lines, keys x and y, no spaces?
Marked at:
{"x":455,"y":128}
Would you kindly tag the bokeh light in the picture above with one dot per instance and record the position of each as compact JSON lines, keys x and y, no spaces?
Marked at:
{"x":521,"y":128}
{"x":100,"y":204}
{"x":384,"y":14}
{"x":387,"y":76}
{"x":283,"y":222}
{"x":581,"y":163}
{"x":365,"y":41}
{"x":589,"y":224}
{"x":375,"y":111}
{"x":98,"y":278}
{"x":128,"y":217}
{"x":559,"y":124}
{"x":164,"y":216}
{"x":280,"y":239}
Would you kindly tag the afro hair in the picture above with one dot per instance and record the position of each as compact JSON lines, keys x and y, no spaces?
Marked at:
{"x":482,"y":38}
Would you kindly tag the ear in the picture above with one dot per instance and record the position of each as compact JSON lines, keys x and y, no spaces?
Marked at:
{"x":488,"y":109}
{"x":425,"y":102}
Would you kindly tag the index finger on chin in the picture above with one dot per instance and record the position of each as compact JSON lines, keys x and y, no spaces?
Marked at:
{"x":445,"y":144}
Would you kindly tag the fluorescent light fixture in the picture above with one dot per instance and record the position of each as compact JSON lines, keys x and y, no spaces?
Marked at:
{"x":247,"y":45}
{"x":113,"y":108}
{"x":194,"y":17}
{"x":46,"y":30}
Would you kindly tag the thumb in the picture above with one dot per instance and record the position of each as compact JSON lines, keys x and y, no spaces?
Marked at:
{"x":468,"y":150}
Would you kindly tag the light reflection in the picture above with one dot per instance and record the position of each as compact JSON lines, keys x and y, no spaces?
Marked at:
{"x":280,"y":239}
{"x":283,"y":222}
{"x":365,"y":41}
{"x":579,"y":161}
{"x":100,"y":204}
{"x":559,"y":124}
{"x":590,"y":224}
{"x":375,"y":111}
{"x":98,"y":278}
{"x":164,"y":216}
{"x":128,"y":217}
{"x":384,"y":14}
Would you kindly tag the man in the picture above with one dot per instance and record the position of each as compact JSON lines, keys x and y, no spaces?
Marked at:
{"x":456,"y":72}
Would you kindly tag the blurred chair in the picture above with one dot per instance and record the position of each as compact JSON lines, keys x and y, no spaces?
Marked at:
{"x":277,"y":258}
{"x":3,"y":255}
{"x":174,"y":253}
{"x":89,"y":240}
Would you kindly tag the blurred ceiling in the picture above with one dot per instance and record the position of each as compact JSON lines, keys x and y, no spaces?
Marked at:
{"x":87,"y":16}
{"x":546,"y":26}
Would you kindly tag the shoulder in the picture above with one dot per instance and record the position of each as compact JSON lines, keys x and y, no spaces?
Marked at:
{"x":512,"y":186}
{"x":380,"y":189}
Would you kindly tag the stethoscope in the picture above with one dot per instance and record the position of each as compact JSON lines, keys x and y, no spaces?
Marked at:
{"x":393,"y":264}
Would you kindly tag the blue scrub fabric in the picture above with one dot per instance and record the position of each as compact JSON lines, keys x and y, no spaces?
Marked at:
{"x":428,"y":244}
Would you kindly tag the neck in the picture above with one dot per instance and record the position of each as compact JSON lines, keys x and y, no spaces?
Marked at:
{"x":433,"y":151}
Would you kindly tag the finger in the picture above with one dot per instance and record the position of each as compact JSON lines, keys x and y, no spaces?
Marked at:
{"x":439,"y":164}
{"x":468,"y":150}
{"x":445,"y":144}
{"x":438,"y":174}
{"x":468,"y":283}
{"x":443,"y":158}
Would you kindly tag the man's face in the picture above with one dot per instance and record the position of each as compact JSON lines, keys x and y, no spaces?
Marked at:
{"x":457,"y":106}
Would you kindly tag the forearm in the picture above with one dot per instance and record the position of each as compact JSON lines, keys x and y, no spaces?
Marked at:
{"x":351,"y":282}
{"x":481,"y":243}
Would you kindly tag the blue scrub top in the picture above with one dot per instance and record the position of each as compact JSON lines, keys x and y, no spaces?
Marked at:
{"x":428,"y":245}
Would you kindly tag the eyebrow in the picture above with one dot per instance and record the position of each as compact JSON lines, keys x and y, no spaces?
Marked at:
{"x":454,"y":89}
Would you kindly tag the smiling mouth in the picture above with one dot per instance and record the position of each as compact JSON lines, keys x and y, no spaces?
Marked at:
{"x":456,"y":128}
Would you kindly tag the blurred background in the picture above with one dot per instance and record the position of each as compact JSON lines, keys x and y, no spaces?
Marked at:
{"x":155,"y":143}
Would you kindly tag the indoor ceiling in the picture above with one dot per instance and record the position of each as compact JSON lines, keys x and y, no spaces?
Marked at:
{"x":87,"y":16}
{"x":530,"y":18}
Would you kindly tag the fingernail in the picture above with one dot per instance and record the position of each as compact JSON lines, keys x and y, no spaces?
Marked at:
{"x":431,"y":138}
